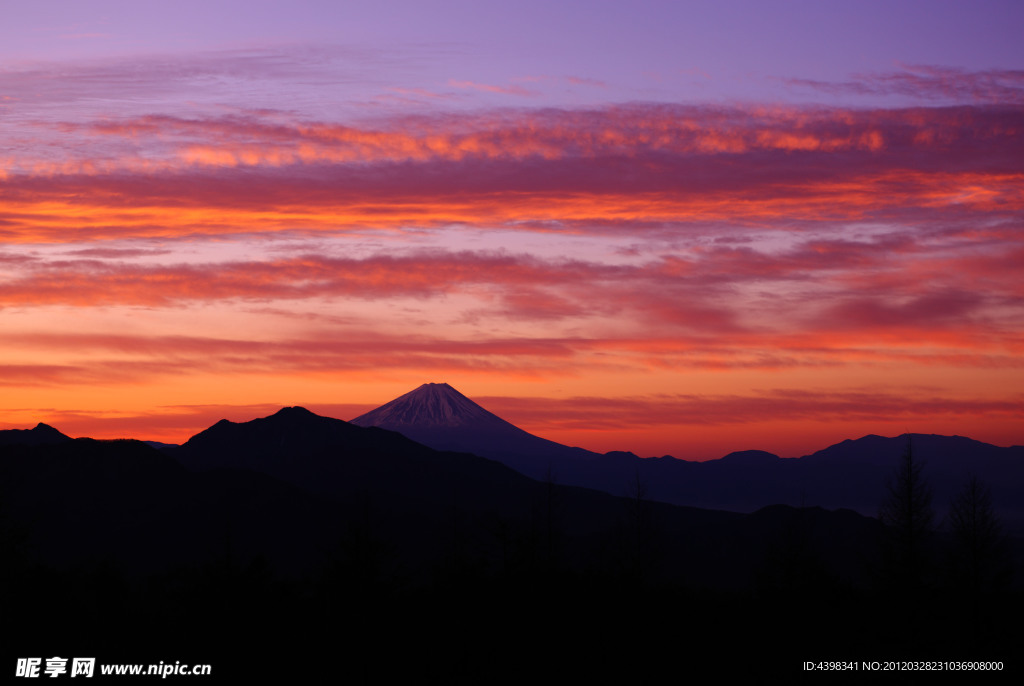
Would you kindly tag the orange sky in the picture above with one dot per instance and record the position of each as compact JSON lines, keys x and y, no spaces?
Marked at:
{"x":666,"y":278}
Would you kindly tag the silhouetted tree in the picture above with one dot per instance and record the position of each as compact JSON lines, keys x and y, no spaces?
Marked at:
{"x":979,"y":564}
{"x":907,"y":513}
{"x":979,"y":550}
{"x":979,"y":560}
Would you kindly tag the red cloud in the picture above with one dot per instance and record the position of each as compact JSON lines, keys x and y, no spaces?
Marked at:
{"x":620,"y":170}
{"x":672,"y":410}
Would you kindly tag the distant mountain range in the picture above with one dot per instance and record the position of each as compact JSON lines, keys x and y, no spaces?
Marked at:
{"x":281,"y":486}
{"x":852,"y":474}
{"x":256,"y":545}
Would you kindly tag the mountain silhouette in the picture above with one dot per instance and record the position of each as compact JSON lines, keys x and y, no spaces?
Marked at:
{"x":258,"y":533}
{"x":437,"y":415}
{"x":352,"y":463}
{"x":433,"y":404}
{"x":42,"y":434}
{"x":287,"y":487}
{"x":851,"y":474}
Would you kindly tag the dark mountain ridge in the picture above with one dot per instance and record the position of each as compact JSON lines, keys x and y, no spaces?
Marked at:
{"x":41,"y":434}
{"x":264,"y":542}
{"x":852,"y":474}
{"x":313,"y":472}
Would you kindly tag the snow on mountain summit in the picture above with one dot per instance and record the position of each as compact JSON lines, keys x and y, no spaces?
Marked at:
{"x":432,"y":404}
{"x":437,"y":415}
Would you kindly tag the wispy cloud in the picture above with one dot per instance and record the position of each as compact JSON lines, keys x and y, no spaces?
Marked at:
{"x":929,"y":82}
{"x":584,"y":81}
{"x":642,"y":243}
{"x":672,"y":410}
{"x":488,"y":88}
{"x":628,"y":167}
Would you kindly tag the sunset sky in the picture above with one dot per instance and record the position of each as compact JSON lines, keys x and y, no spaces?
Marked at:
{"x":668,"y":227}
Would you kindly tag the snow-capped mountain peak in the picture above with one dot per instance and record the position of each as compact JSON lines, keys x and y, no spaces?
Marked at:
{"x":432,"y":404}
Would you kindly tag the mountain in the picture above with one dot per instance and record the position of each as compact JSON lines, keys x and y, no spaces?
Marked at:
{"x":42,"y":434}
{"x":296,"y":489}
{"x":437,"y":415}
{"x":433,"y":404}
{"x":291,"y":487}
{"x":258,"y":534}
{"x":343,"y":460}
{"x":852,"y":474}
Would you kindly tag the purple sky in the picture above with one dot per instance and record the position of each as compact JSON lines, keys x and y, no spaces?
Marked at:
{"x":665,"y":51}
{"x":669,"y":227}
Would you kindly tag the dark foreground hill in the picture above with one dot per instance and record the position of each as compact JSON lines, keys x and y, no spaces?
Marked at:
{"x":296,"y":547}
{"x":852,"y":474}
{"x":42,"y":434}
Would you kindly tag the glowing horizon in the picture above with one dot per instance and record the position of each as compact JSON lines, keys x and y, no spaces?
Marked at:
{"x":773,"y":242}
